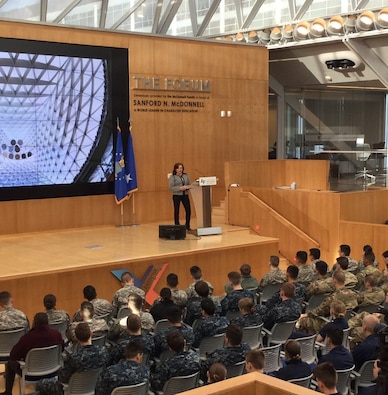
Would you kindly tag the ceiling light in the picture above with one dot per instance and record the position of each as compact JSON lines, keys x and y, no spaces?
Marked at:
{"x":350,"y":24}
{"x":253,"y":37}
{"x":301,"y":30}
{"x":365,"y":21}
{"x":382,"y":19}
{"x":335,"y":25}
{"x":318,"y":28}
{"x":264,"y":37}
{"x":228,"y":38}
{"x":288,"y":33}
{"x":276,"y":35}
{"x":240,"y":38}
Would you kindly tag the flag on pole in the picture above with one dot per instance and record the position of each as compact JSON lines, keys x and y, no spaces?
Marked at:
{"x":120,"y":178}
{"x":130,"y":166}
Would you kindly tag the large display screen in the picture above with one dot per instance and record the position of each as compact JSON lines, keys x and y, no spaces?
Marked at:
{"x":59,"y":104}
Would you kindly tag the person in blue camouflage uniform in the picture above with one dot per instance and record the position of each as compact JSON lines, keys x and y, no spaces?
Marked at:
{"x":54,"y":315}
{"x":287,"y":310}
{"x":128,"y":372}
{"x":194,"y":306}
{"x":196,"y":274}
{"x":249,"y":316}
{"x":247,"y":280}
{"x":11,"y":318}
{"x":174,"y":318}
{"x":48,"y":387}
{"x":86,"y":357}
{"x":210,"y":324}
{"x":233,"y":352}
{"x":230,"y":301}
{"x":182,"y":363}
{"x":133,"y":334}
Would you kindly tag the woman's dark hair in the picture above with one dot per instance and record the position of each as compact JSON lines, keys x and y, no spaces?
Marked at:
{"x":176,"y":167}
{"x":49,"y":301}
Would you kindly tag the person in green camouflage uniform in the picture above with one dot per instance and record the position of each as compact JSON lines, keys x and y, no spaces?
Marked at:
{"x":323,"y":284}
{"x":274,"y":276}
{"x":11,"y":318}
{"x":369,"y":258}
{"x":372,"y":294}
{"x":247,"y":280}
{"x":350,"y":278}
{"x":54,"y":315}
{"x":306,"y":271}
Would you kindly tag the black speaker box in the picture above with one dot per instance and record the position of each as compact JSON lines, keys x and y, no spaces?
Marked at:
{"x":172,"y":232}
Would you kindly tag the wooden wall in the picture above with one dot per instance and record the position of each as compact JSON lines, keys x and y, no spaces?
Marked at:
{"x":202,"y":141}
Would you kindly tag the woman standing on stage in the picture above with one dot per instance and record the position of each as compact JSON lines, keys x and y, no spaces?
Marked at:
{"x":179,"y":184}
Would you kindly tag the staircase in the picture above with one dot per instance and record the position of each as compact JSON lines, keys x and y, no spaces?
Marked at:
{"x":218,"y":213}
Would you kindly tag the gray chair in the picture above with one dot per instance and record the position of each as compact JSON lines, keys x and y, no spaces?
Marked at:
{"x":138,"y":389}
{"x":370,"y":308}
{"x":279,"y":333}
{"x":314,"y":301}
{"x":7,"y":340}
{"x":267,"y":292}
{"x":272,"y":358}
{"x":232,"y":314}
{"x":211,"y":343}
{"x":178,"y":384}
{"x":307,"y":348}
{"x":40,"y":362}
{"x":325,"y":348}
{"x":123,"y":312}
{"x":60,"y":327}
{"x":161,"y":326}
{"x":252,"y":335}
{"x":82,"y":383}
{"x":363,"y":378}
{"x":99,"y":340}
{"x":303,"y":382}
{"x":235,"y":370}
{"x":343,"y":383}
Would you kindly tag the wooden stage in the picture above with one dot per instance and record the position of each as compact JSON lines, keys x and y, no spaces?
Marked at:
{"x":63,"y":262}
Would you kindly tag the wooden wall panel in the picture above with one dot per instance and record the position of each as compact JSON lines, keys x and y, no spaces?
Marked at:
{"x":203,"y":141}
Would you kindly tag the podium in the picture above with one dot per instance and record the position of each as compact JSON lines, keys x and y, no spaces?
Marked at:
{"x":201,"y":194}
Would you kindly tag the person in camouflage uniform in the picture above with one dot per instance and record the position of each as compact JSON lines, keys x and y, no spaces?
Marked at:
{"x":48,"y":387}
{"x":182,"y":363}
{"x":11,"y":318}
{"x":133,"y":334}
{"x":120,"y":298}
{"x":174,"y":318}
{"x":314,"y":256}
{"x":196,"y":274}
{"x":177,"y":295}
{"x":344,"y":250}
{"x":369,"y":258}
{"x":97,"y":325}
{"x":127,"y":372}
{"x":366,"y":248}
{"x":372,"y":294}
{"x":86,"y":357}
{"x":232,"y":353}
{"x":350,"y":278}
{"x":102,"y":307}
{"x":249,"y":316}
{"x":312,"y":322}
{"x":323,"y":284}
{"x":230,"y":302}
{"x":210,"y":324}
{"x":306,"y":271}
{"x":274,"y":276}
{"x":247,"y":280}
{"x":54,"y":315}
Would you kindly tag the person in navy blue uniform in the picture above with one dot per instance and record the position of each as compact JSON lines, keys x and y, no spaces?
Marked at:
{"x":326,"y":378}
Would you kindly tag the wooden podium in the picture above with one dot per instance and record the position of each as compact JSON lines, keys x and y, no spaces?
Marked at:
{"x":201,"y":194}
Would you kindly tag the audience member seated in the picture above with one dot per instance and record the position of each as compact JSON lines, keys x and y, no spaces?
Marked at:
{"x":274,"y":276}
{"x":326,"y":377}
{"x":132,"y":334}
{"x":233,"y":352}
{"x":127,"y":372}
{"x":312,"y":322}
{"x":10,"y":318}
{"x":369,"y":258}
{"x":209,"y":324}
{"x":306,"y":271}
{"x":182,"y":363}
{"x":160,"y":307}
{"x":367,"y":248}
{"x":339,"y":356}
{"x":39,"y":336}
{"x":254,"y":361}
{"x":230,"y":302}
{"x":177,"y":295}
{"x":86,"y":357}
{"x":174,"y":318}
{"x":372,"y":294}
{"x":196,"y":274}
{"x":323,"y":284}
{"x":294,"y":367}
{"x":120,"y":298}
{"x":337,"y":314}
{"x":384,"y":274}
{"x":249,"y":316}
{"x":101,"y":306}
{"x":97,"y":325}
{"x":247,"y":280}
{"x":344,"y":250}
{"x":314,"y":256}
{"x":54,"y":315}
{"x":217,"y":372}
{"x":350,"y":278}
{"x":367,"y":350}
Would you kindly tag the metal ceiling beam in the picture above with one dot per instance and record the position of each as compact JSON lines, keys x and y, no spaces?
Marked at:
{"x":361,"y":4}
{"x":158,"y":13}
{"x":209,"y":15}
{"x":193,"y":17}
{"x":239,"y":13}
{"x":43,"y":10}
{"x":255,"y":9}
{"x":302,"y":10}
{"x":168,"y":16}
{"x":66,"y":11}
{"x":104,"y":10}
{"x":127,"y":14}
{"x":292,"y":9}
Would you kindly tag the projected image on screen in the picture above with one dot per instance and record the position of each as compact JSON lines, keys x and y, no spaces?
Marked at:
{"x":51,"y":112}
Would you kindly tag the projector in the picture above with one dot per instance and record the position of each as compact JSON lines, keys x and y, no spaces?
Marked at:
{"x":340,"y":64}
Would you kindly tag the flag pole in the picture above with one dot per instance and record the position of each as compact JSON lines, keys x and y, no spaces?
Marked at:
{"x":133,"y":214}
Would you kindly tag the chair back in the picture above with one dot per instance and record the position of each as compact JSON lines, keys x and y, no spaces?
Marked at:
{"x":7,"y":340}
{"x":307,"y":348}
{"x":272,"y":358}
{"x":343,"y":383}
{"x":370,"y":308}
{"x":123,"y":312}
{"x":252,"y":335}
{"x":364,"y":377}
{"x":235,"y":370}
{"x":42,"y":361}
{"x":82,"y":383}
{"x":345,"y":342}
{"x":178,"y":384}
{"x":138,"y":389}
{"x":303,"y":382}
{"x":161,"y":326}
{"x":104,"y":317}
{"x":232,"y":314}
{"x":61,"y":327}
{"x":280,"y":332}
{"x":268,"y":291}
{"x":315,"y":301}
{"x":99,"y":340}
{"x":211,"y":343}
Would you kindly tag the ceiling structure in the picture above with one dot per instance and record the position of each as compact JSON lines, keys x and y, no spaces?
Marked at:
{"x":311,"y":60}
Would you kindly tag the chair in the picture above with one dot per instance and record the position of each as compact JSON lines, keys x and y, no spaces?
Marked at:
{"x":272,"y":358}
{"x":99,"y":340}
{"x":161,"y":326}
{"x":307,"y":348}
{"x":252,"y":335}
{"x":325,"y":348}
{"x":61,"y":327}
{"x":211,"y":343}
{"x":370,"y":308}
{"x":178,"y":384}
{"x":105,"y":316}
{"x":343,"y":383}
{"x":363,"y":378}
{"x":138,"y":389}
{"x":235,"y":370}
{"x":82,"y":383}
{"x":232,"y":314}
{"x":7,"y":340}
{"x":303,"y":382}
{"x":123,"y":312}
{"x":279,"y":333}
{"x":267,"y":292}
{"x":314,"y":301}
{"x":40,"y":362}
